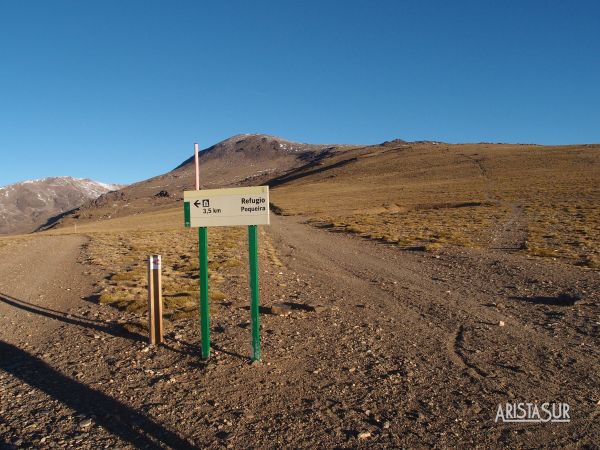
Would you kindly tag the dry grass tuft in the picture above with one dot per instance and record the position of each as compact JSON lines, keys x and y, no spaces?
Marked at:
{"x":216,"y":295}
{"x":270,"y":252}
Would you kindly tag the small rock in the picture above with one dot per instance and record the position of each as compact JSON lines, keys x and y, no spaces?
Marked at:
{"x":386,"y":424}
{"x":364,"y":435}
{"x":281,"y":309}
{"x":501,"y":323}
{"x":85,"y":423}
{"x":145,"y":350}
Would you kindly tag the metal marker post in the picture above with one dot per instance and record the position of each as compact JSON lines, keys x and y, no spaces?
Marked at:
{"x":203,"y":255}
{"x":197,"y":165}
{"x":254,"y":294}
{"x":155,"y":324}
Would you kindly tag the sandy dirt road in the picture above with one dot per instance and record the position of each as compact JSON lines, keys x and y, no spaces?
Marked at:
{"x":38,"y":274}
{"x":413,"y":349}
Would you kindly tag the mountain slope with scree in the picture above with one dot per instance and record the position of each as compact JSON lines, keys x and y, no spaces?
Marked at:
{"x":26,"y":205}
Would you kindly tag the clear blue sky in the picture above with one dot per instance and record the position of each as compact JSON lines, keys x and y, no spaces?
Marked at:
{"x":119,"y":90}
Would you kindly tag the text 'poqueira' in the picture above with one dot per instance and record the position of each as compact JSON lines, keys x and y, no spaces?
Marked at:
{"x":252,"y":204}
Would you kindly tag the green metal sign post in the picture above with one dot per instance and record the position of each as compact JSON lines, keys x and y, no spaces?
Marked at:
{"x":204,"y":305}
{"x":254,"y":295}
{"x":227,"y":207}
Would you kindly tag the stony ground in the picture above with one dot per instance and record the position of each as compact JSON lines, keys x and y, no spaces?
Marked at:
{"x":412,"y":349}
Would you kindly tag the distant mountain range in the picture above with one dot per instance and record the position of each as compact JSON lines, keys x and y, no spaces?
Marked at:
{"x":27,"y":205}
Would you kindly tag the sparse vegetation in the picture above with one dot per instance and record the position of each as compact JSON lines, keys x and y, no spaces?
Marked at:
{"x":430,"y":228}
{"x":567,"y":231}
{"x":124,"y":254}
{"x":7,"y":241}
{"x":427,"y":196}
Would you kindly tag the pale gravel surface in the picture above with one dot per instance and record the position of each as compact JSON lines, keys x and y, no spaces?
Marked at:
{"x":39,"y":271}
{"x":410,"y":353}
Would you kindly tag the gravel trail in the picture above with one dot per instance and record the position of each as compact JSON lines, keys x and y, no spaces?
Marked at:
{"x":39,"y":274}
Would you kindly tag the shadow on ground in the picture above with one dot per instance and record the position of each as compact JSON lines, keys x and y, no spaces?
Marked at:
{"x":112,"y":329}
{"x":114,"y":416}
{"x":558,"y":300}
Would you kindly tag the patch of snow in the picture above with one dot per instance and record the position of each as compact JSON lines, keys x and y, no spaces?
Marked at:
{"x":110,"y":187}
{"x":32,"y":181}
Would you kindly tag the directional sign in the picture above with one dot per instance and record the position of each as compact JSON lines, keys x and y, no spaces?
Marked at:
{"x":227,"y":207}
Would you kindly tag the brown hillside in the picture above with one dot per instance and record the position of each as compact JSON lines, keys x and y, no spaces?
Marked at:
{"x":533,"y":199}
{"x":245,"y":159}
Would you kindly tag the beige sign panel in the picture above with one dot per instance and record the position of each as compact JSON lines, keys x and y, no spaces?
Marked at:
{"x":227,"y":207}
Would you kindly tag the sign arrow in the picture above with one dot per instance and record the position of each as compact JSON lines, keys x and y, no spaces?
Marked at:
{"x":197,"y":203}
